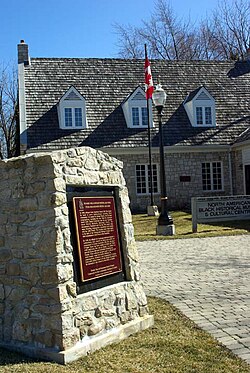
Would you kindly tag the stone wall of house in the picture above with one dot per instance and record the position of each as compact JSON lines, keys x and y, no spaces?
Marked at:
{"x":238,"y":172}
{"x":176,"y":164}
{"x":39,"y":303}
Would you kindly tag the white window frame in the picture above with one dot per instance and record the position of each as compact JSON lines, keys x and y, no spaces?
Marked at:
{"x":132,"y":102}
{"x":139,"y":107}
{"x":213,"y":182}
{"x":147,"y":183}
{"x":203,"y":115}
{"x":65,"y":103}
{"x":72,"y":106}
{"x":192,"y":105}
{"x":203,"y":105}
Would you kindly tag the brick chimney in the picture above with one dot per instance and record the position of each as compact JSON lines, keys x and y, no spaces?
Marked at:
{"x":23,"y":53}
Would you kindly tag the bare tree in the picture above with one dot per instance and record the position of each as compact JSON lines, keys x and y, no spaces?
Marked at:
{"x":130,"y":43}
{"x":224,"y":35}
{"x":8,"y":112}
{"x":167,"y":36}
{"x":230,"y":29}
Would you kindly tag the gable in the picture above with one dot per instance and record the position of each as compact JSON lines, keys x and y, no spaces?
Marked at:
{"x":72,"y":95}
{"x":203,"y":96}
{"x":135,"y":110}
{"x":72,"y":110}
{"x":200,"y":108}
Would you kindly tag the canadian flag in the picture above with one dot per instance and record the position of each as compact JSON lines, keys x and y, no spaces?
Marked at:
{"x":149,"y":87}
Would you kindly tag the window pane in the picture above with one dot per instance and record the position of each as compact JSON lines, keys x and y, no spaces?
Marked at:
{"x":141,"y":187}
{"x":208,"y":115}
{"x":68,"y":117}
{"x":143,"y":179}
{"x":206,"y":176}
{"x":78,"y":117}
{"x":217,"y":176}
{"x":154,"y":179}
{"x":212,"y":176}
{"x":135,"y":116}
{"x":199,"y":119}
{"x":144,"y":116}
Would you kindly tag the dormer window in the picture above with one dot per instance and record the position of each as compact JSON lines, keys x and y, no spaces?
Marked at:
{"x":72,"y":110}
{"x":139,"y":116}
{"x":135,"y":110}
{"x":203,"y":115}
{"x":200,"y":108}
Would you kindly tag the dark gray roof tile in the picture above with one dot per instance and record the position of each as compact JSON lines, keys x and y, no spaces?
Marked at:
{"x":105,"y":83}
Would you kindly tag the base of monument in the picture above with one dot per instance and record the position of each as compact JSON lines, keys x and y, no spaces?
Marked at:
{"x":165,"y":230}
{"x":152,"y":211}
{"x":86,"y":346}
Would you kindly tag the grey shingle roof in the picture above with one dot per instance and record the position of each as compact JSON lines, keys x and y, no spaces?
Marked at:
{"x":245,"y":136}
{"x":105,"y":83}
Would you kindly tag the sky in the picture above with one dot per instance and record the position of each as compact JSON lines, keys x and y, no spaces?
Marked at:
{"x":78,"y":28}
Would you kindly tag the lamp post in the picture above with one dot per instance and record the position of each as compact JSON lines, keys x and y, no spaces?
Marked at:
{"x":165,"y":222}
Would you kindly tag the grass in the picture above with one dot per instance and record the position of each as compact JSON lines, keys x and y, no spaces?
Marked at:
{"x":173,"y":345}
{"x":145,"y":227}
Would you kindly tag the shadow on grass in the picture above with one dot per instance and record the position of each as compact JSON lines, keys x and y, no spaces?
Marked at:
{"x":240,"y":224}
{"x":145,"y":227}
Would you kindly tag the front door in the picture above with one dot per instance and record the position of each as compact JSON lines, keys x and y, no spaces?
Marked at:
{"x":247,"y":178}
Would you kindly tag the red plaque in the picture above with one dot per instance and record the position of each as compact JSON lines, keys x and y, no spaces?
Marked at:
{"x":97,"y":237}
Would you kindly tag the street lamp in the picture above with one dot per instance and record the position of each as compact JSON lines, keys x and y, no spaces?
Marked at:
{"x":165,"y":222}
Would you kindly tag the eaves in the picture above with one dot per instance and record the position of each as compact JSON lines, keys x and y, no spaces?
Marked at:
{"x":168,"y":149}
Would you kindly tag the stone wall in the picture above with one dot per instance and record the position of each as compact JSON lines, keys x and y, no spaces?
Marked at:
{"x":41,"y":312}
{"x":176,"y":164}
{"x":238,"y":172}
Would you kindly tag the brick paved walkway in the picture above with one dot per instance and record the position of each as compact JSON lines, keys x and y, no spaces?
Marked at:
{"x":208,"y":279}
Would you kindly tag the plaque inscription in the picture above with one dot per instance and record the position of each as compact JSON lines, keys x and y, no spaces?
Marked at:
{"x":97,"y":237}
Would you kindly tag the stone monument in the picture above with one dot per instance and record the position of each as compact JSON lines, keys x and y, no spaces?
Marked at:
{"x":69,"y":270}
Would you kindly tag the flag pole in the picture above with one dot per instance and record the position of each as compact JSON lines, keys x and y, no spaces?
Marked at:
{"x":153,"y":209}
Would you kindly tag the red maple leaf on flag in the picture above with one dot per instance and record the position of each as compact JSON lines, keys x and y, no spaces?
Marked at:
{"x":149,"y":87}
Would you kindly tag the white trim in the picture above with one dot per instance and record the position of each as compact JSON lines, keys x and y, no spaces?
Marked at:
{"x":245,"y":162}
{"x":146,"y":179}
{"x":155,"y":150}
{"x":190,"y":107}
{"x":22,"y":108}
{"x":212,"y":190}
{"x":72,"y":104}
{"x":133,"y":102}
{"x":246,"y":156}
{"x":167,"y":150}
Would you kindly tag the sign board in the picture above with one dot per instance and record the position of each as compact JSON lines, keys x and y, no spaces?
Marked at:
{"x":97,"y":237}
{"x":212,"y":209}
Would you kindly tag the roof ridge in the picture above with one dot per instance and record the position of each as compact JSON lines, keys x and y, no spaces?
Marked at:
{"x":182,"y":62}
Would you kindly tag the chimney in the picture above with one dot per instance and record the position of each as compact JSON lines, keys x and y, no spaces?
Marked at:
{"x":23,"y":53}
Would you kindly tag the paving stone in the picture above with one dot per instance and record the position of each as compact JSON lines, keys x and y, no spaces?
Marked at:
{"x":231,"y":330}
{"x":227,"y":340}
{"x":217,"y":333}
{"x":241,"y":351}
{"x":208,"y":280}
{"x":234,"y":346}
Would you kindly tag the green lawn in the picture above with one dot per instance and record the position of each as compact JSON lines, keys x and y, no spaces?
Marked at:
{"x":173,"y":345}
{"x":145,"y":227}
